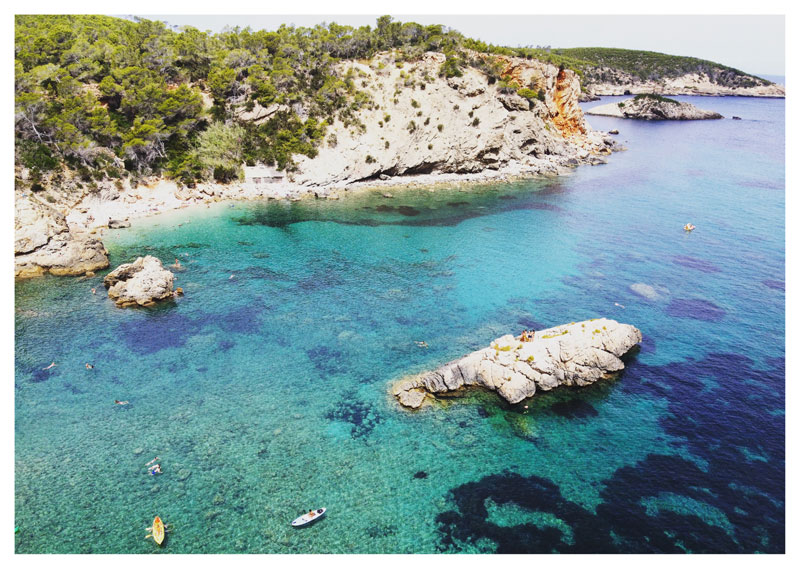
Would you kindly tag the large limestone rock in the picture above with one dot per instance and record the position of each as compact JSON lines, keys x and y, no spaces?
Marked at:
{"x":43,"y":243}
{"x":35,"y":224}
{"x":649,"y":107}
{"x":576,"y":354}
{"x":141,"y":282}
{"x":420,"y":123}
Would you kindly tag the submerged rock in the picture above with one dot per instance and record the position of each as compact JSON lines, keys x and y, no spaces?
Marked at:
{"x":646,"y":291}
{"x":653,"y":107}
{"x":576,"y":354}
{"x":141,"y":282}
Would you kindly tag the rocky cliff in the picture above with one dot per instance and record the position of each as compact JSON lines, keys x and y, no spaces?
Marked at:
{"x":653,"y":107}
{"x":419,"y":122}
{"x":576,"y":354}
{"x":43,"y":243}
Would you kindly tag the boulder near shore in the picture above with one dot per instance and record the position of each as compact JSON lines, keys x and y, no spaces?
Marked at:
{"x":141,"y":282}
{"x":575,"y":354}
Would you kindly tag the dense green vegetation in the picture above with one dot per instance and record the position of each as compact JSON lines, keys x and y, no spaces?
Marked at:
{"x":594,"y":64}
{"x":108,"y":98}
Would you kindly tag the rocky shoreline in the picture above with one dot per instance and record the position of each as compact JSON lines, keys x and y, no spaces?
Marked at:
{"x":420,"y":129}
{"x":690,"y":84}
{"x":575,"y":354}
{"x":84,"y":222}
{"x":45,"y":243}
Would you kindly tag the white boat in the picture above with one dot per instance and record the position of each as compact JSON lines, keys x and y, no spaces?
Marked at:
{"x":309,"y":517}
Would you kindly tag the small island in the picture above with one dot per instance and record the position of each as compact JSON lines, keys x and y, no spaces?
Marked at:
{"x":653,"y":107}
{"x":575,"y":354}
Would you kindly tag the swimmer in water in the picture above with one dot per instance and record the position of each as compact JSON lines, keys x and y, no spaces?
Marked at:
{"x":50,"y":366}
{"x":89,"y":366}
{"x":121,"y":402}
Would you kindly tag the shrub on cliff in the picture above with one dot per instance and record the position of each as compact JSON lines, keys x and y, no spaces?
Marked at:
{"x":451,"y":66}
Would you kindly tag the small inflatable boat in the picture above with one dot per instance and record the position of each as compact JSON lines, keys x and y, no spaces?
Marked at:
{"x":309,"y":517}
{"x":157,"y":531}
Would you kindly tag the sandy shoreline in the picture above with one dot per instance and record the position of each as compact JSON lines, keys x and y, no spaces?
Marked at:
{"x":93,"y":213}
{"x":62,"y":233}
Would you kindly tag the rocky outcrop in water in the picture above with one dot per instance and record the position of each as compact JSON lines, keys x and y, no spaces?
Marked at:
{"x":141,"y":282}
{"x":43,"y":243}
{"x":576,"y":354}
{"x":653,"y":107}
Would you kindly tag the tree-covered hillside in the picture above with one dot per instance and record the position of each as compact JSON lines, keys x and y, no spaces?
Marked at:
{"x":595,"y":62}
{"x":108,"y":97}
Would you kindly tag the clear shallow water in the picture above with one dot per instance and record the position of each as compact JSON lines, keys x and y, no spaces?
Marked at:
{"x":267,"y":393}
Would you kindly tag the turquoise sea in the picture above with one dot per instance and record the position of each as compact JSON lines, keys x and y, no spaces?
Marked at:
{"x":264,"y":390}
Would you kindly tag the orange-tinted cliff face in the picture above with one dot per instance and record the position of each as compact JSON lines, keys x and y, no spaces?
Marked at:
{"x":561,"y":87}
{"x":569,"y":117}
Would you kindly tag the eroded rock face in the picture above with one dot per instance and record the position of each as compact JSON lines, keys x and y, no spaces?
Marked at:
{"x":43,"y":243}
{"x":653,"y":108}
{"x":35,"y":224}
{"x":63,"y":255}
{"x":421,"y":123}
{"x":141,"y":282}
{"x":576,"y":354}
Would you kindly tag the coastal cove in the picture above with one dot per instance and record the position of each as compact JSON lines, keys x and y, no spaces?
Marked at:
{"x":266,"y":389}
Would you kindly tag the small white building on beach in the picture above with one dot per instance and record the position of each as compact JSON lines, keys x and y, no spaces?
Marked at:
{"x":262,"y":175}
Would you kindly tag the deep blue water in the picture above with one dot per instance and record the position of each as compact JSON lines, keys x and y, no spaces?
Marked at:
{"x":265,"y":389}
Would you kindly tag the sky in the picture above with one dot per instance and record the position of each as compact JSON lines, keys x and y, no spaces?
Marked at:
{"x":752,"y":43}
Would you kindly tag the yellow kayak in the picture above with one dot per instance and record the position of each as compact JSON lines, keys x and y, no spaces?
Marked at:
{"x":157,"y":531}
